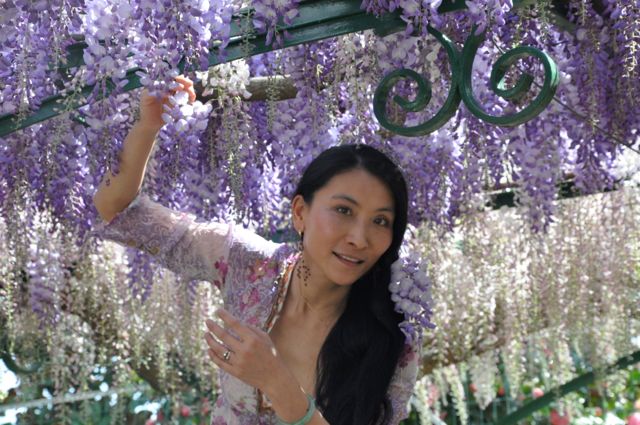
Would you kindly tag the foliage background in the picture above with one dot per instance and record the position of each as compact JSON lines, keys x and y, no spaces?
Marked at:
{"x":550,"y":280}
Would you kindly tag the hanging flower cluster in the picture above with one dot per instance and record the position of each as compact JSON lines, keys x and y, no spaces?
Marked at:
{"x":410,"y":290}
{"x":181,"y":136}
{"x":300,"y":126}
{"x":46,"y":277}
{"x":33,"y":36}
{"x":175,"y":31}
{"x":448,"y":169}
{"x":270,"y":15}
{"x":107,"y":29}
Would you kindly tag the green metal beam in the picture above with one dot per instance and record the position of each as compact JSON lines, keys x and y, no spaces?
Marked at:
{"x":571,"y":386}
{"x":313,"y":12}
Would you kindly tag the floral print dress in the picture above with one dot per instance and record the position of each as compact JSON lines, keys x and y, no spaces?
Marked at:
{"x":253,"y":275}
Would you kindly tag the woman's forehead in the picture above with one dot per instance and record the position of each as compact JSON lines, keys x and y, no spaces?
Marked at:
{"x":361,"y":188}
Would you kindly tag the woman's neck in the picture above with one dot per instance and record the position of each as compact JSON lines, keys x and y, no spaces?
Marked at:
{"x":315,"y":297}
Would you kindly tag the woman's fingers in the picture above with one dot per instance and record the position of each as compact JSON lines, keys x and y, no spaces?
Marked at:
{"x":184,"y":80}
{"x":236,"y":326}
{"x":187,"y":85}
{"x":152,"y":107}
{"x":223,"y":335}
{"x":192,"y":94}
{"x":214,"y":346}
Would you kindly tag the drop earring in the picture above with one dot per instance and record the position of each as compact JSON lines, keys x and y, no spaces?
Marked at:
{"x":300,"y":246}
{"x":303,"y":270}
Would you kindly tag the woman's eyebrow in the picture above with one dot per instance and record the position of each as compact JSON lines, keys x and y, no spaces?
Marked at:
{"x":353,"y":201}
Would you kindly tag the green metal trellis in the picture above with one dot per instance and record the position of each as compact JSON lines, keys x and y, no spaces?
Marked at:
{"x":505,"y":404}
{"x":320,"y":19}
{"x":461,"y":64}
{"x":571,"y":386}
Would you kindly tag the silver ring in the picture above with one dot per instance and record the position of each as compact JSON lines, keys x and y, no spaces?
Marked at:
{"x":226,"y":355}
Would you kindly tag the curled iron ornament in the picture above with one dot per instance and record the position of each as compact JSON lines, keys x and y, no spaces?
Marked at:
{"x":497,"y":83}
{"x":423,"y":96}
{"x":461,"y":65}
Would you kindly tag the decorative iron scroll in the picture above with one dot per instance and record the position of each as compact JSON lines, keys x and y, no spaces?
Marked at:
{"x":424,"y":94}
{"x":461,"y":65}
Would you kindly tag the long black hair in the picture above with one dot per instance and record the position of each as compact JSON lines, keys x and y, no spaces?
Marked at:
{"x":358,"y":358}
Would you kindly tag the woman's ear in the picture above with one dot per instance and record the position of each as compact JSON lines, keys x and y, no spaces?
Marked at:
{"x":298,"y":211}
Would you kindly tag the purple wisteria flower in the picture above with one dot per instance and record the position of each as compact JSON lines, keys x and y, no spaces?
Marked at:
{"x":410,"y":290}
{"x":271,"y":15}
{"x":239,"y":159}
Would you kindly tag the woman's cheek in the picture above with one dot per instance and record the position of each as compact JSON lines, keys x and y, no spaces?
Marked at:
{"x":332,"y":220}
{"x":383,"y":236}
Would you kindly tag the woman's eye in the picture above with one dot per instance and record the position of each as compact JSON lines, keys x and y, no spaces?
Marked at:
{"x":383,"y":221}
{"x":343,"y":210}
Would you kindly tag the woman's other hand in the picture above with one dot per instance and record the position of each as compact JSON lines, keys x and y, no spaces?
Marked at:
{"x":254,"y":359}
{"x":151,"y":107}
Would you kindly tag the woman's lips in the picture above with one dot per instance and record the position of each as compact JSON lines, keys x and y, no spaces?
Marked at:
{"x":347,"y":262}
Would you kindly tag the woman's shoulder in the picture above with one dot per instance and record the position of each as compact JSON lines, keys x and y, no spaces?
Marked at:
{"x":248,"y":242}
{"x":256,"y":255}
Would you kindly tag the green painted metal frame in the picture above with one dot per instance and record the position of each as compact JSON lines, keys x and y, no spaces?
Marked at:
{"x":11,"y":363}
{"x":423,"y":96}
{"x":317,"y":20}
{"x":571,"y":386}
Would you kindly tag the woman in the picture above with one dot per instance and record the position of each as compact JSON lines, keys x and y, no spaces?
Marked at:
{"x":310,"y":336}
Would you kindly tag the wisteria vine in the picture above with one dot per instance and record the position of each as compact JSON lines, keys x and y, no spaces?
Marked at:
{"x":238,"y":158}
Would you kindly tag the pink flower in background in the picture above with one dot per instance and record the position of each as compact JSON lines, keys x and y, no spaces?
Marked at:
{"x":634,"y":419}
{"x":537,"y":392}
{"x":557,"y":419}
{"x":185,"y":411}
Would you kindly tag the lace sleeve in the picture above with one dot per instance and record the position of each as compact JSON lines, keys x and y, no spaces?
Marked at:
{"x":193,"y":249}
{"x":403,"y":382}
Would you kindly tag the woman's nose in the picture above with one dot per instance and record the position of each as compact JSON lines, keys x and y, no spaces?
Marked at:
{"x":357,"y":236}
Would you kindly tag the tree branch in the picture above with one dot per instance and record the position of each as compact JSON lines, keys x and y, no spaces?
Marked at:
{"x":281,"y":87}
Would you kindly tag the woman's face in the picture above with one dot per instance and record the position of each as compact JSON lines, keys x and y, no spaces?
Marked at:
{"x":347,"y":227}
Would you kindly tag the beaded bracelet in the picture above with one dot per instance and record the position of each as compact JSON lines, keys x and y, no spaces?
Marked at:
{"x":307,"y":417}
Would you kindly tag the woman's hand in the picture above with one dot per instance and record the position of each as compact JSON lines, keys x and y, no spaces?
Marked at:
{"x":253,"y":359}
{"x":151,"y":107}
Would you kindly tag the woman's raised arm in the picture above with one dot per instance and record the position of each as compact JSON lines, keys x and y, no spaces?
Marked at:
{"x":122,"y":189}
{"x":191,"y":248}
